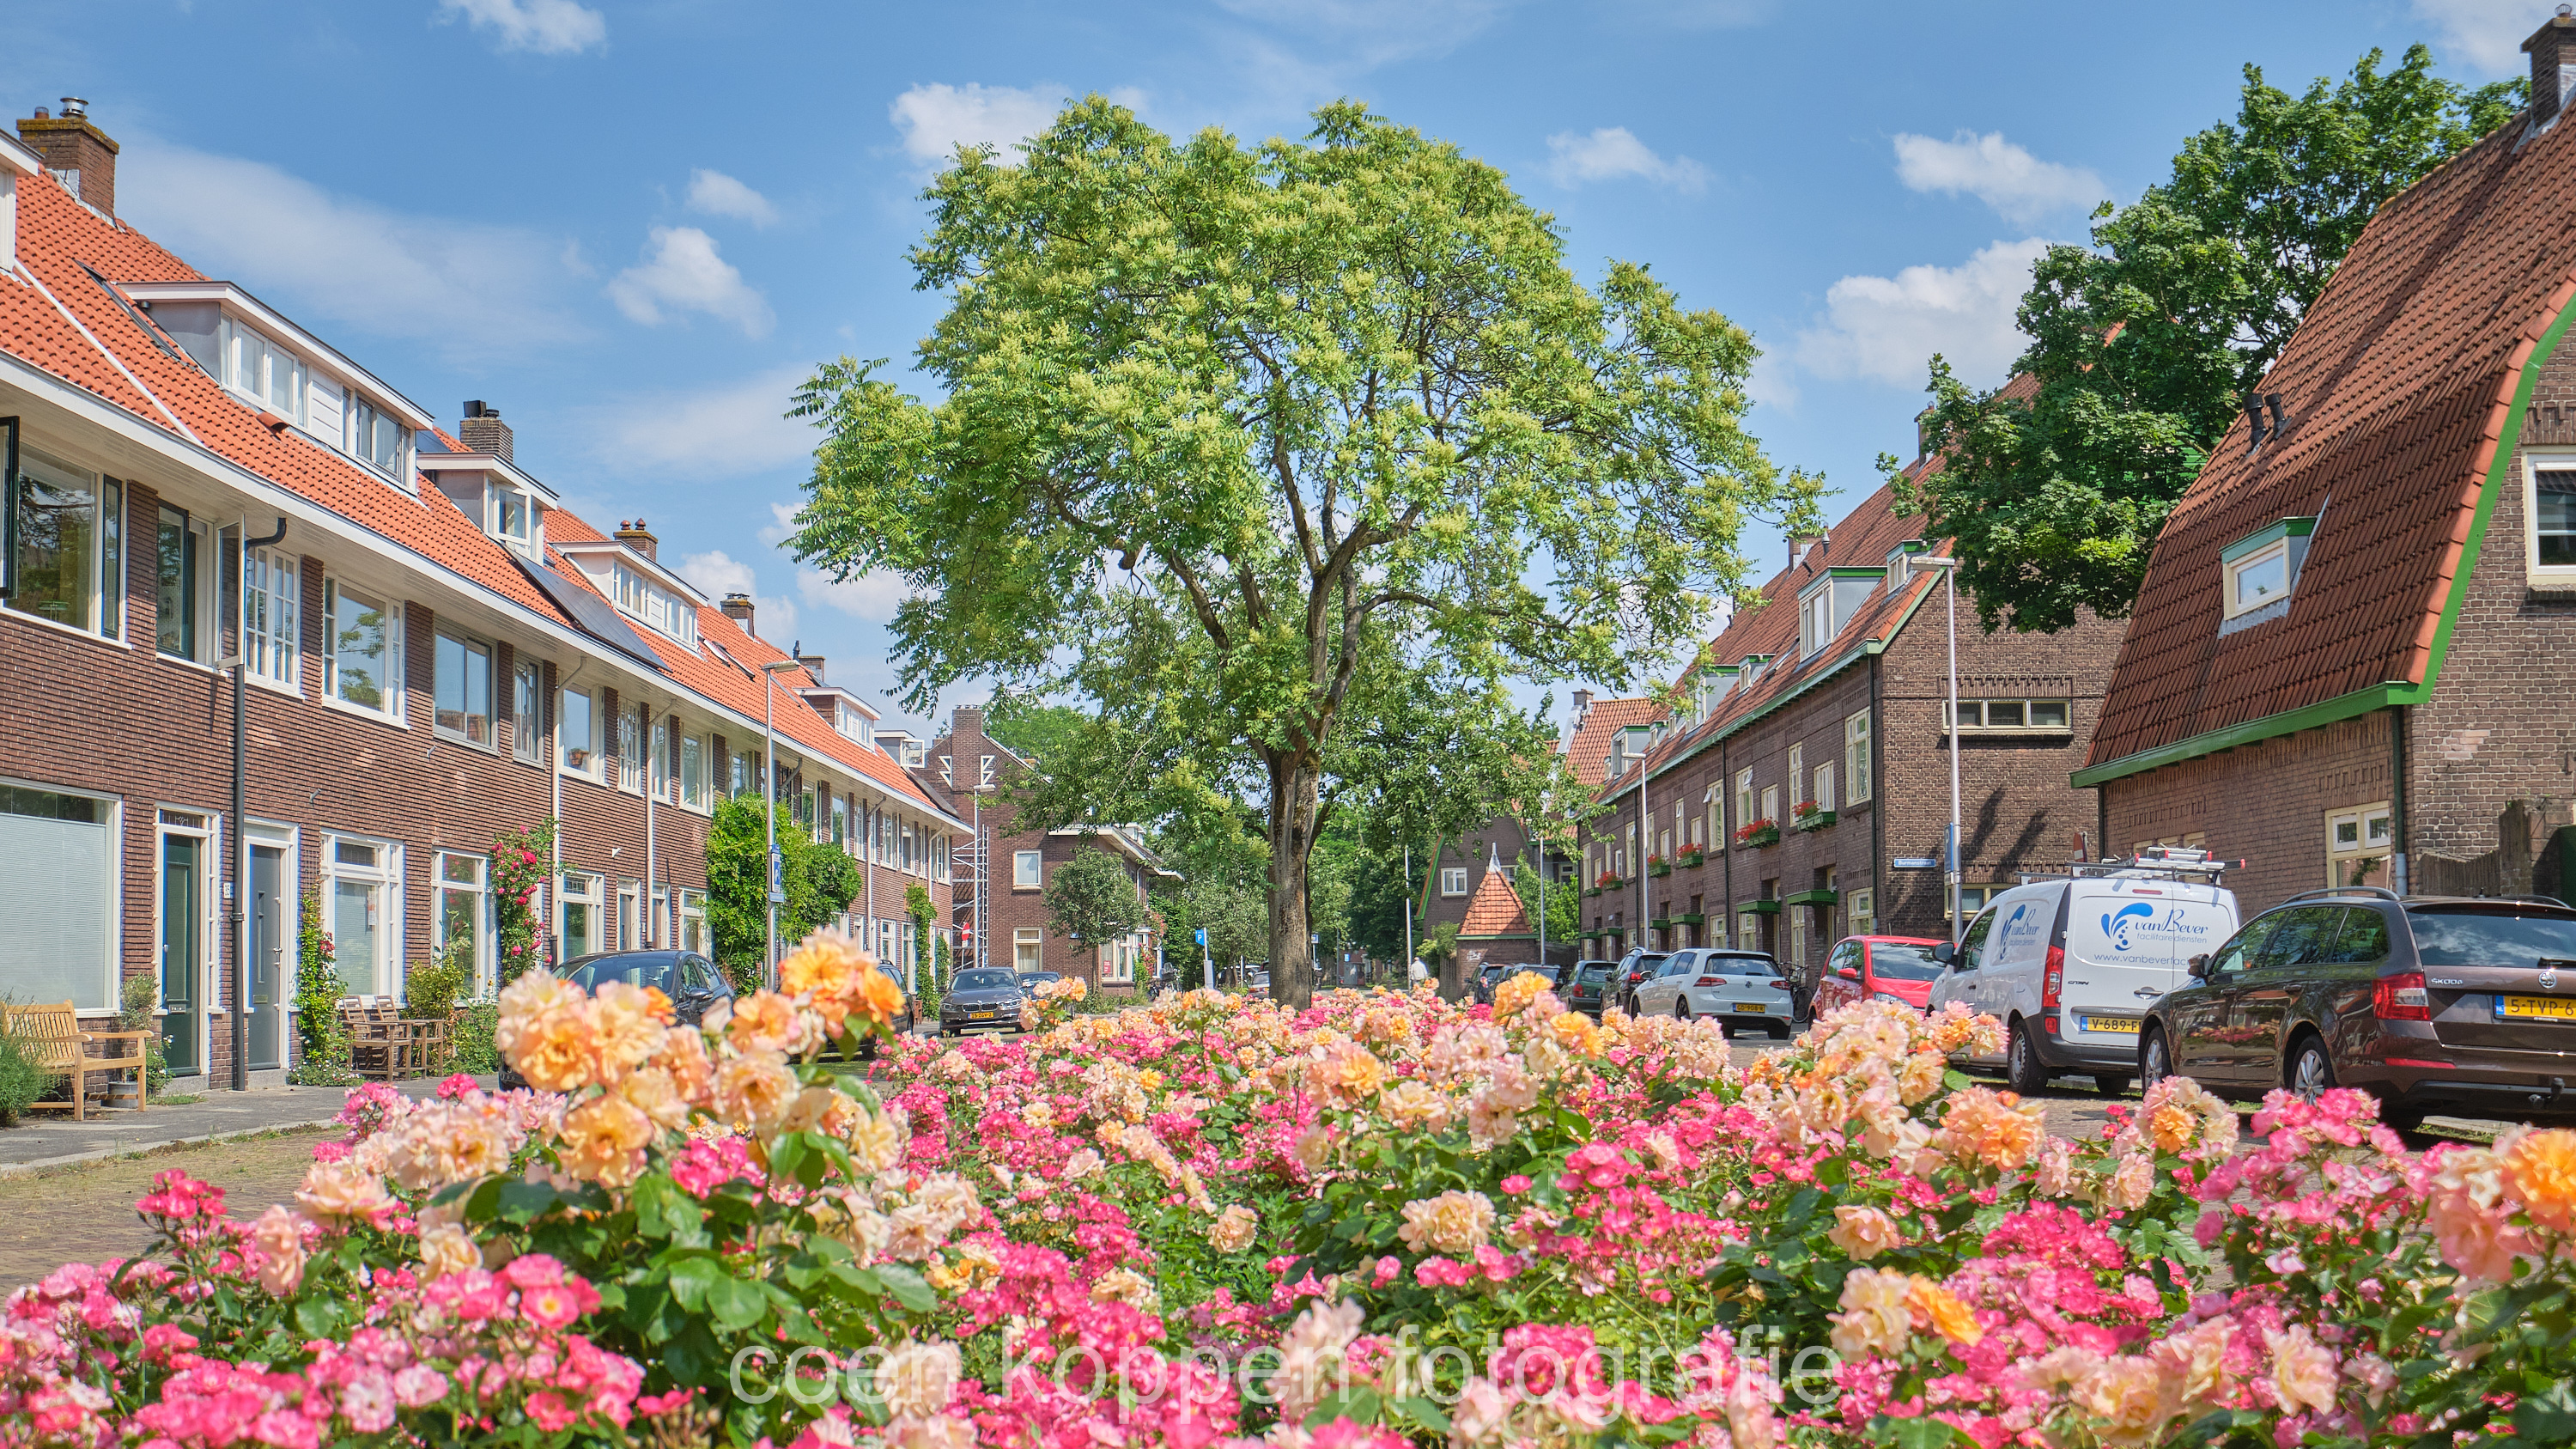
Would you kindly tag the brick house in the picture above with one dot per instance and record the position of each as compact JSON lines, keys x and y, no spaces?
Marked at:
{"x":1802,"y":792}
{"x":2349,"y":660}
{"x":973,"y":773}
{"x":429,"y":651}
{"x":1496,"y":930}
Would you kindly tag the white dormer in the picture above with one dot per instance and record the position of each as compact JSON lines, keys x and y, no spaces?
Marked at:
{"x":847,"y":714}
{"x":505,"y":503}
{"x":640,"y":587}
{"x":286,"y":374}
{"x":15,"y":161}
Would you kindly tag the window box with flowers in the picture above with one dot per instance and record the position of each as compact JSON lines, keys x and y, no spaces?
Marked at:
{"x":1657,"y":865}
{"x":1757,"y":833}
{"x":1608,"y":881}
{"x":1695,"y":856}
{"x":1810,"y":817}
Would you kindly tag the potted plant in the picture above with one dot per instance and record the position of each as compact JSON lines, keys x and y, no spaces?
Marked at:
{"x":1811,"y":816}
{"x":1657,"y":865}
{"x":1765,"y":831}
{"x":1608,"y":880}
{"x":1691,"y":857}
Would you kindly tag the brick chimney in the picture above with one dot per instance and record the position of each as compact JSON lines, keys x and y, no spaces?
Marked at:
{"x":813,"y":662}
{"x":737,"y":607}
{"x":79,"y":154}
{"x":2552,"y":49}
{"x":1582,"y":706}
{"x":484,"y":432}
{"x":637,"y":537}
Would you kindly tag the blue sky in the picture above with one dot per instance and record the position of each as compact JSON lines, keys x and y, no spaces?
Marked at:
{"x":632,"y":227}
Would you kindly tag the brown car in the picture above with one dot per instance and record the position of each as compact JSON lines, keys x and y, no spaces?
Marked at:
{"x":2434,"y":1004}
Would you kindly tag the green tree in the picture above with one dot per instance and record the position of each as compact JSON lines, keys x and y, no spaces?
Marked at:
{"x":2145,"y":345}
{"x":819,"y":882}
{"x":1031,"y":728}
{"x":1288,"y":425}
{"x":1092,"y":899}
{"x":1564,"y":903}
{"x":1236,"y":916}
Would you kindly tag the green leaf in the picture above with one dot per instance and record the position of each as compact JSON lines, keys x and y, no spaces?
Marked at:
{"x":907,"y":1286}
{"x":735,"y":1304}
{"x":691,"y":1278}
{"x":1424,"y":1412}
{"x":1917,"y":1433}
{"x":523,"y":1202}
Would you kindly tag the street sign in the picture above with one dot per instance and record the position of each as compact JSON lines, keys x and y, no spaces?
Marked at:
{"x":1916,"y":862}
{"x":1201,"y":933}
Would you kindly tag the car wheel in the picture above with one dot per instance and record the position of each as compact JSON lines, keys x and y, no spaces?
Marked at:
{"x":2154,"y":1064}
{"x":2024,"y":1072}
{"x":2402,"y":1119}
{"x":2110,"y":1084}
{"x":1780,"y":1031}
{"x":2311,"y":1071}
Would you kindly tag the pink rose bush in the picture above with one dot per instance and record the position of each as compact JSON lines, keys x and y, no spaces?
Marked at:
{"x":1207,"y":1222}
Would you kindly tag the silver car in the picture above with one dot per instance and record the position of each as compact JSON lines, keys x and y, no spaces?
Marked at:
{"x":1740,"y":988}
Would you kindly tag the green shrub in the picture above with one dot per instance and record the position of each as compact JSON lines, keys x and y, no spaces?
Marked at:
{"x":136,"y":1003}
{"x":430,"y":992}
{"x":324,"y":1058}
{"x":21,"y":1080}
{"x":471,"y":1049}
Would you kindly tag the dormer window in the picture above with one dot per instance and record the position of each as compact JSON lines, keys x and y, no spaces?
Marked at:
{"x":265,"y":374}
{"x":2258,"y":573}
{"x":661,"y":610}
{"x":512,"y":518}
{"x":379,"y":440}
{"x":1828,"y":604}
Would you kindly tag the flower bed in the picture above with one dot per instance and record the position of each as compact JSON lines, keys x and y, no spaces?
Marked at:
{"x":1383,"y":1218}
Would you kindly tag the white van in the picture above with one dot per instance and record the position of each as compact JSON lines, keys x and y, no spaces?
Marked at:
{"x":2070,"y":965}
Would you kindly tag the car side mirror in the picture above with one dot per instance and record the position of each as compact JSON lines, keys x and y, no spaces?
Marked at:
{"x":1946,"y":954}
{"x":2198,"y":967}
{"x":1848,"y":973}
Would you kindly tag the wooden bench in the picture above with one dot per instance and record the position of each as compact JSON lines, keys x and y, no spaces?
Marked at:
{"x":385,"y":1047}
{"x":52,"y":1036}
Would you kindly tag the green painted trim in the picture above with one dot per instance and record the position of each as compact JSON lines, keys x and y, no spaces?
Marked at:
{"x":1812,"y":898}
{"x":2269,"y":534}
{"x":1506,"y":936}
{"x":1757,"y":908}
{"x":1690,"y":918}
{"x":2381,"y":696}
{"x":1858,"y":571}
{"x":1661,"y":923}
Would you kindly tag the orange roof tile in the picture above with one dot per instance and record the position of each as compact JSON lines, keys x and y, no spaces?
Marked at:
{"x":2397,"y":387}
{"x":1588,"y":752}
{"x":1495,"y":909}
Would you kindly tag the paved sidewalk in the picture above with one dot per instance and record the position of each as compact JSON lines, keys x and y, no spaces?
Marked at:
{"x":51,"y":1139}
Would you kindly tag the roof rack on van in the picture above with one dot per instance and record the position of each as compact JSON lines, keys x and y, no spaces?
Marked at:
{"x":2156,"y":862}
{"x":2375,"y":892}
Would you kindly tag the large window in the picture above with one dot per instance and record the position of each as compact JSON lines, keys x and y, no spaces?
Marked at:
{"x":180,"y":553}
{"x":464,"y":690}
{"x":693,"y":772}
{"x":1453,"y":880}
{"x":577,"y":720}
{"x":58,"y":853}
{"x":379,"y":440}
{"x":363,"y":638}
{"x":527,"y":732}
{"x":659,"y":608}
{"x":266,"y":375}
{"x":578,"y":929}
{"x":2359,"y":840}
{"x":363,"y":901}
{"x":1027,"y":869}
{"x":463,"y":914}
{"x":69,"y":566}
{"x":630,"y":750}
{"x":2553,"y":520}
{"x":271,"y":644}
{"x":1856,"y":760}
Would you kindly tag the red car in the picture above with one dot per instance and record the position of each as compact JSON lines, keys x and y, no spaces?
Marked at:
{"x":1898,"y":968}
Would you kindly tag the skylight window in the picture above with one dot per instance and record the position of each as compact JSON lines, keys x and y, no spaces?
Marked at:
{"x":2258,"y":572}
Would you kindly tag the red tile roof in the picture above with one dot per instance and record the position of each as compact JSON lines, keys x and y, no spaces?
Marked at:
{"x":2397,"y":386}
{"x":1588,"y":752}
{"x":1495,"y":909}
{"x":57,"y":235}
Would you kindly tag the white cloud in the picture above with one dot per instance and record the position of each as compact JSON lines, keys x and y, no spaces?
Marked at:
{"x":464,"y":286}
{"x":937,"y":118}
{"x":2486,"y":35}
{"x":2005,"y":176}
{"x":872,"y":596}
{"x":717,"y":194}
{"x":1612,"y":153}
{"x":712,"y":431}
{"x":682,"y":272}
{"x":717,"y":573}
{"x":548,"y":27}
{"x":1887,"y":328}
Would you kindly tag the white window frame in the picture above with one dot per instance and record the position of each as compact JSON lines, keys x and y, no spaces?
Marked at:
{"x":334,"y":590}
{"x":527,"y":727}
{"x":2373,"y":827}
{"x":2276,"y":550}
{"x":1797,"y":777}
{"x":454,"y":873}
{"x":581,"y":888}
{"x":1028,"y":949}
{"x":694,"y":794}
{"x":251,"y":366}
{"x":1981,"y":711}
{"x":2533,"y":465}
{"x":658,"y":762}
{"x":630,"y":749}
{"x":693,"y":922}
{"x":1816,"y":618}
{"x":471,"y":647}
{"x":387,"y":876}
{"x":499,"y":496}
{"x":1860,"y":914}
{"x":1856,"y":757}
{"x":1823,"y":793}
{"x":273,"y":647}
{"x":1028,"y":870}
{"x":1744,"y":797}
{"x":1716,"y":815}
{"x":108,"y":507}
{"x":1453,"y":880}
{"x":202,"y":595}
{"x":1770,"y":804}
{"x":588,"y":767}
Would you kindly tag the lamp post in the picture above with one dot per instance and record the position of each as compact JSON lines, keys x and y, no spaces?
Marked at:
{"x":769,"y":788}
{"x":1949,"y":568}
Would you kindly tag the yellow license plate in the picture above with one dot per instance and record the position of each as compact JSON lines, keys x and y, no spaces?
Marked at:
{"x":2552,"y":1008}
{"x":1752,"y":1006}
{"x":979,"y":1016}
{"x":2126,"y":1025}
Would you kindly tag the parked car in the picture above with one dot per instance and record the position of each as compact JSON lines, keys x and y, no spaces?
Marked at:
{"x":2070,"y":966}
{"x":1890,"y":968}
{"x":2431,"y":1003}
{"x":1635,"y":970}
{"x":1592,"y":986}
{"x":984,"y":998}
{"x":690,"y":980}
{"x":1029,"y":981}
{"x":1739,"y":987}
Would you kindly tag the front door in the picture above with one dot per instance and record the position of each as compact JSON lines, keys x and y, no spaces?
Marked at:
{"x":267,"y":954}
{"x":182,"y":947}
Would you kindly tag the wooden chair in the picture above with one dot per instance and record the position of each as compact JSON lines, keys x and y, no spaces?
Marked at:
{"x":52,"y":1035}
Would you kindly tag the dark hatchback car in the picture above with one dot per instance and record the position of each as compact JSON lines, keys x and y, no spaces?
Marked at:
{"x":2463,"y":1006}
{"x":1591,"y":990}
{"x":986,"y":998}
{"x":1635,"y":969}
{"x":691,"y":981}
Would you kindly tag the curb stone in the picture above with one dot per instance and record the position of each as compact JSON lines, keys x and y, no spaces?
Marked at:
{"x":44,"y":1165}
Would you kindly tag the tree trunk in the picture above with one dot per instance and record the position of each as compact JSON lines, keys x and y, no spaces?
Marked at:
{"x":1296,"y":791}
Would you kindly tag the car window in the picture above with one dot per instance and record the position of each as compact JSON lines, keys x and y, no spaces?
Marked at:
{"x":2301,"y":936}
{"x":633,"y":970}
{"x":983,"y":978}
{"x":1750,"y":966}
{"x":1596,"y":971}
{"x":2486,"y":936}
{"x":697,"y":974}
{"x":2232,"y":957}
{"x":1972,"y":946}
{"x":1846,"y":957}
{"x":2362,"y":938}
{"x":1902,"y":961}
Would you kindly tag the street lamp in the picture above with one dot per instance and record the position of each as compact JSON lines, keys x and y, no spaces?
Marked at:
{"x":769,"y":772}
{"x":1949,"y":568}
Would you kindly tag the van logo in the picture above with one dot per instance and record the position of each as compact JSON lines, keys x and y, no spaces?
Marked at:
{"x":2116,"y":925}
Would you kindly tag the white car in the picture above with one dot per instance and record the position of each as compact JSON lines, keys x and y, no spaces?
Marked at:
{"x":1740,"y":988}
{"x":2070,"y":966}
